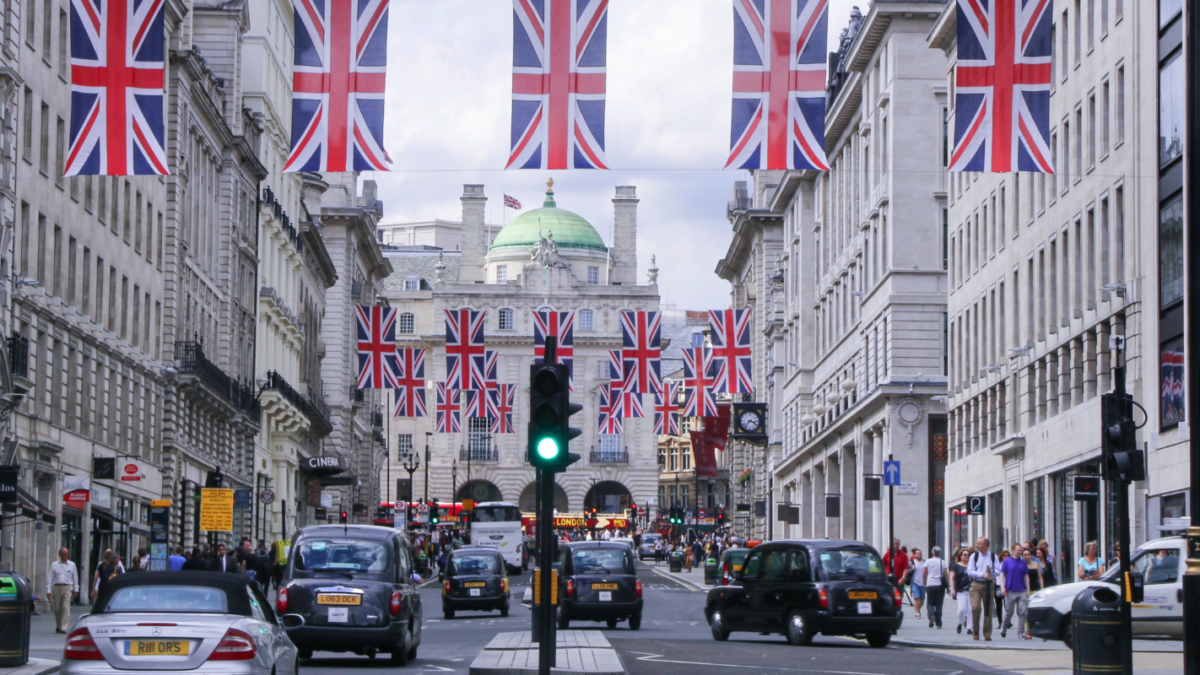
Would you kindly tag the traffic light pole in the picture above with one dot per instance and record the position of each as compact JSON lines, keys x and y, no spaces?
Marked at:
{"x":545,"y":518}
{"x":1122,"y":489}
{"x":1191,"y":578}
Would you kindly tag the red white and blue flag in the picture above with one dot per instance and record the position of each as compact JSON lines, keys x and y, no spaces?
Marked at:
{"x":464,"y":342}
{"x":666,"y":409}
{"x":512,"y":202}
{"x":641,"y":334}
{"x":610,"y":410}
{"x":730,"y":331}
{"x":562,"y":326}
{"x":1002,"y":94}
{"x":630,"y":402}
{"x":338,"y":85}
{"x":448,"y":414}
{"x":501,"y":402}
{"x":117,"y":97}
{"x":474,"y":403}
{"x":779,"y":84}
{"x":559,"y":65}
{"x":487,"y":365}
{"x":376,"y":327}
{"x":410,"y":383}
{"x":699,"y":398}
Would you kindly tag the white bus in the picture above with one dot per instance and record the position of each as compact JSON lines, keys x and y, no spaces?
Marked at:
{"x":498,"y":525}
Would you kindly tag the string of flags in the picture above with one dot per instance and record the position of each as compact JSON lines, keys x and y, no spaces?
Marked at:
{"x":559,"y":87}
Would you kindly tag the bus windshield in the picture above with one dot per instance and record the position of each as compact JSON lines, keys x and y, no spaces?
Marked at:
{"x":496,"y":514}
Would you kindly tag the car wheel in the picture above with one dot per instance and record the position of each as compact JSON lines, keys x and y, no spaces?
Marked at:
{"x":635,"y":622}
{"x":798,"y":631}
{"x":1067,"y":632}
{"x":448,"y":613}
{"x":719,"y":632}
{"x":504,"y":611}
{"x":304,"y":653}
{"x":400,"y":652}
{"x":879,"y":639}
{"x":611,"y":623}
{"x":563,"y":622}
{"x":412,"y":653}
{"x":296,"y":667}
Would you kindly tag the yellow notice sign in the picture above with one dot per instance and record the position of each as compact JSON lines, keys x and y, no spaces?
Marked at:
{"x":159,"y":503}
{"x":216,"y":509}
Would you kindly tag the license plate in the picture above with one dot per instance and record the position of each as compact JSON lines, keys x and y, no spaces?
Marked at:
{"x":863,"y":595}
{"x":157,"y":648}
{"x":474,"y":592}
{"x":475,"y":584}
{"x":604,"y":587}
{"x":605,"y":596}
{"x":338,"y":599}
{"x":864,"y":608}
{"x":339,"y":615}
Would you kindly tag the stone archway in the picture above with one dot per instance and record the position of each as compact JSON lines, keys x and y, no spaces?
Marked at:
{"x":479,"y":491}
{"x":608,"y":496}
{"x":528,"y":501}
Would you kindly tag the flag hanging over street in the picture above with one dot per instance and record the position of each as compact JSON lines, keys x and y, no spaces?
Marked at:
{"x":610,"y":410}
{"x":464,"y":341}
{"x":779,"y":84}
{"x":730,"y":331}
{"x":699,"y":398}
{"x":448,"y":420}
{"x":559,"y":65}
{"x":338,"y":85}
{"x":117,"y":94}
{"x":512,"y":203}
{"x":376,"y":328}
{"x":666,"y":409}
{"x":562,"y":326}
{"x":410,"y":383}
{"x":1002,"y":93}
{"x":641,"y":333}
{"x":501,"y":402}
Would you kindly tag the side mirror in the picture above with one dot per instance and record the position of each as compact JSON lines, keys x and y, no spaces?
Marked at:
{"x":292,"y":621}
{"x":737,"y":575}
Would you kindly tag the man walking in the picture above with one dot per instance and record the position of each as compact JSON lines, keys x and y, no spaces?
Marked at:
{"x":1014,"y":585}
{"x":224,"y":563}
{"x":175,"y":561}
{"x":61,"y":586}
{"x":983,"y":569}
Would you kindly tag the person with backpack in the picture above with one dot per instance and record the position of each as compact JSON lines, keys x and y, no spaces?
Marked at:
{"x":935,"y":578}
{"x":984,"y":569}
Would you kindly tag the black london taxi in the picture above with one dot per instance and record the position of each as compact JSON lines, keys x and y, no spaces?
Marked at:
{"x":350,"y":589}
{"x":730,"y":563}
{"x":597,"y":581}
{"x":475,"y":579}
{"x":802,"y":588}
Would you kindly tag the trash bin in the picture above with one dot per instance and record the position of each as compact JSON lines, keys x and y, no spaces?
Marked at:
{"x":1096,"y":624}
{"x":710,"y":571}
{"x":16,"y":607}
{"x":676,"y":561}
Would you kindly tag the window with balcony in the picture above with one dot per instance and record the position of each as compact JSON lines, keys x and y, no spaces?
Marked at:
{"x":609,"y":450}
{"x":479,"y":440}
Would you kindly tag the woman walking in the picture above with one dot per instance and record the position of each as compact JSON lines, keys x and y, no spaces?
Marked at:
{"x":1042,"y":556}
{"x":960,"y":588}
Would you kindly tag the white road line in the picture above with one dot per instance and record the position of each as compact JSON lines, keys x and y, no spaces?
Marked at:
{"x":654,"y":658}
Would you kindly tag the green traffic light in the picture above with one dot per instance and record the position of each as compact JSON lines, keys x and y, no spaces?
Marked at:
{"x":547,"y":448}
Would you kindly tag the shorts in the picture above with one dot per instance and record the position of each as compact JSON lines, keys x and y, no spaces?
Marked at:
{"x":918,"y":592}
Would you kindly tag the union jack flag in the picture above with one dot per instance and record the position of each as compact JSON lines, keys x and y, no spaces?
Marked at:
{"x":641,"y":333}
{"x":559,"y":61}
{"x":116,"y":88}
{"x":475,"y":403}
{"x":666,"y":409}
{"x":779,"y":84}
{"x":487,"y":365}
{"x":376,"y":347}
{"x":699,"y":398}
{"x":501,"y":403}
{"x":410,"y":383}
{"x":464,"y":342}
{"x":1002,"y":99}
{"x":610,"y":410}
{"x":730,"y":330}
{"x":616,"y":366}
{"x":630,"y":402}
{"x":448,"y":420}
{"x":512,"y":202}
{"x":562,"y":326}
{"x":337,"y":86}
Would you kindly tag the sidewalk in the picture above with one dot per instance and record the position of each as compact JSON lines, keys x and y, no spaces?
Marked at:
{"x":45,"y":646}
{"x":693,"y":580}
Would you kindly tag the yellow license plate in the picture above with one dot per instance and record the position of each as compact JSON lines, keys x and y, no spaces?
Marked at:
{"x":863,"y":595}
{"x":157,"y":648}
{"x":604,"y":587}
{"x":475,"y":584}
{"x":338,"y":599}
{"x":737,"y":568}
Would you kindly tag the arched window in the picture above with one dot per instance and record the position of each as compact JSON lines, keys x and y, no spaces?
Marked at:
{"x":585,"y":319}
{"x":408,"y":323}
{"x":506,"y":319}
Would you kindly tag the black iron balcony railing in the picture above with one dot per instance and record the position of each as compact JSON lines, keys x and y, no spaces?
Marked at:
{"x":377,"y":420}
{"x":319,"y":416}
{"x":320,"y":411}
{"x":358,"y":396}
{"x":606,"y":457}
{"x":18,"y":355}
{"x":191,"y":360}
{"x":479,"y":455}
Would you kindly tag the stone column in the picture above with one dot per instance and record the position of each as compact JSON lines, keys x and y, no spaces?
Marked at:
{"x":474,"y":234}
{"x":624,"y":247}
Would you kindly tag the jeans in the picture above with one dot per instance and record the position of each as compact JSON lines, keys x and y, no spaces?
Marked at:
{"x":981,"y":601}
{"x":1014,"y":601}
{"x":935,"y":595}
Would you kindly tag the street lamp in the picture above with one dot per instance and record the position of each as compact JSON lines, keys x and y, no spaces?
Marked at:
{"x":427,"y":435}
{"x":454,"y":478}
{"x":411,"y":463}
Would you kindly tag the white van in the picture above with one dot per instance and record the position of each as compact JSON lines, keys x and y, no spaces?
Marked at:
{"x":498,"y":525}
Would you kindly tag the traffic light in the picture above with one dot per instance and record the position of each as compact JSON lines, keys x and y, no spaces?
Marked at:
{"x":549,"y":420}
{"x":435,"y":515}
{"x":344,"y":517}
{"x":1122,"y":460}
{"x":720,"y":516}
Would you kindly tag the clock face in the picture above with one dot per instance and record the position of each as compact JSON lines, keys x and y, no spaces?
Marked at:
{"x":750,"y":421}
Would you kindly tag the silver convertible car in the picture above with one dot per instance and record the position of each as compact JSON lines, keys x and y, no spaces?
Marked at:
{"x":199,"y":621}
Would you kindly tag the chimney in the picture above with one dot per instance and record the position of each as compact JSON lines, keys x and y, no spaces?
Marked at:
{"x":624,"y":246}
{"x":474,"y":234}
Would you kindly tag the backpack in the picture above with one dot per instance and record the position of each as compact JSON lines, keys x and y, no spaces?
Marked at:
{"x":975,"y":556}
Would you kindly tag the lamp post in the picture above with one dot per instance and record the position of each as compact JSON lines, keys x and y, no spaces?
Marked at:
{"x":411,"y":464}
{"x":427,"y":435}
{"x":454,"y":478}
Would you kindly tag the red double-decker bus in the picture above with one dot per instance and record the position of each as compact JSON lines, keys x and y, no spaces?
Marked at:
{"x":449,"y":514}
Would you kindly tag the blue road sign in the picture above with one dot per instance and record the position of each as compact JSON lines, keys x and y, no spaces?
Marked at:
{"x":891,"y":473}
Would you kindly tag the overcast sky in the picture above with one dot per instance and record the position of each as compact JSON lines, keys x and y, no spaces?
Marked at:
{"x":449,"y":88}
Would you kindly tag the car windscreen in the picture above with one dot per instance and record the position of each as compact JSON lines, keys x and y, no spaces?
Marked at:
{"x":344,"y":556}
{"x":475,"y":563}
{"x":168,"y":599}
{"x":607,"y":560}
{"x":496,"y":514}
{"x":849,"y":563}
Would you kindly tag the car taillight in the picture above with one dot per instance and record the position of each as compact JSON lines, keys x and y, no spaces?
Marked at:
{"x":824,"y":598}
{"x":637,"y":587}
{"x":81,"y":647}
{"x":570,"y":588}
{"x":235,"y":646}
{"x":281,"y":603}
{"x":446,"y":587}
{"x":897,"y":596}
{"x":395,"y":606}
{"x":504,"y":585}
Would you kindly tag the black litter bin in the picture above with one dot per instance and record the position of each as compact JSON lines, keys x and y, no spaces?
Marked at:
{"x":710,"y":571}
{"x":16,"y":607}
{"x":1096,"y":624}
{"x":676,"y":561}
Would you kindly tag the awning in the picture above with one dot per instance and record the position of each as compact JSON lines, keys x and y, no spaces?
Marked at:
{"x":105,"y":512}
{"x":138,"y":528}
{"x":28,"y":506}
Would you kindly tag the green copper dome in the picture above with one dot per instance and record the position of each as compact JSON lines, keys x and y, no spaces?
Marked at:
{"x":569,"y":229}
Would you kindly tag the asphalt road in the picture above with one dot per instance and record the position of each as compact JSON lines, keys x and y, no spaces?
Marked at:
{"x":674,"y":640}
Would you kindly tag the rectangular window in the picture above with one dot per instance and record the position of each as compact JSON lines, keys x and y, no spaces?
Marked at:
{"x":128,"y":208}
{"x":945,"y":239}
{"x":121,"y":332}
{"x":1104,"y":118}
{"x":1120,"y":102}
{"x":1078,"y":33}
{"x":102,"y":195}
{"x":1119,"y":236}
{"x":27,"y":122}
{"x":23,"y":237}
{"x":1118,"y":10}
{"x":112,"y":299}
{"x":407,"y":323}
{"x":87,"y":193}
{"x":1066,"y":155}
{"x":159,"y":256}
{"x":1091,"y":259}
{"x":44,"y":141}
{"x":585,"y":319}
{"x":71,"y":246}
{"x":1066,"y":46}
{"x":1001,"y":218}
{"x":57,"y":267}
{"x":157,"y":334}
{"x":135,"y":332}
{"x":41,"y":249}
{"x":60,"y":152}
{"x":479,"y":439}
{"x":1091,"y":25}
{"x":115,"y":217}
{"x":1104,"y":243}
{"x":1091,"y":139}
{"x":1030,"y":304}
{"x":47,"y":15}
{"x":501,"y":274}
{"x":404,"y":447}
{"x":1078,"y":143}
{"x":1055,"y":56}
{"x":1170,"y":247}
{"x":1054,"y":163}
{"x":64,"y":39}
{"x":87,"y":282}
{"x":593,"y":275}
{"x":99,"y":314}
{"x":137,"y":225}
{"x":1103,"y":18}
{"x":31,"y":27}
{"x":1171,"y":91}
{"x":506,"y":319}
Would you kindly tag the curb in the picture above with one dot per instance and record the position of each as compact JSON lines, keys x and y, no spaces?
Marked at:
{"x":35,"y":667}
{"x":668,"y":575}
{"x":995,"y":646}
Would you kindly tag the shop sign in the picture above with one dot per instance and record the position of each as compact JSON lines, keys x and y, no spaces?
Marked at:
{"x":131,"y":471}
{"x":9,"y":475}
{"x":77,"y":498}
{"x":324,"y":463}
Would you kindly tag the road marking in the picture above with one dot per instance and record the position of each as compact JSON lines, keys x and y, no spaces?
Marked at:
{"x":654,"y":658}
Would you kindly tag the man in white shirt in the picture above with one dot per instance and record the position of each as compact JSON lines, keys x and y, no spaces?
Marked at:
{"x":984,"y":568}
{"x":61,"y":586}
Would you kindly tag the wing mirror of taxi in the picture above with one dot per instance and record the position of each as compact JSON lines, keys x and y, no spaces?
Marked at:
{"x":292,"y":621}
